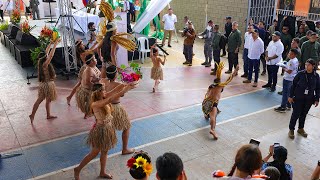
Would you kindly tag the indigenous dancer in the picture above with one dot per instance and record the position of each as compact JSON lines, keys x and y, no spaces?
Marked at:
{"x":46,"y":76}
{"x":156,"y":71}
{"x":81,"y":53}
{"x":213,"y":95}
{"x":102,"y":137}
{"x":120,"y":121}
{"x":90,"y":76}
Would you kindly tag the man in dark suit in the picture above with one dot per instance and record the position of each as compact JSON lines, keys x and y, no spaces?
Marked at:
{"x":35,"y":10}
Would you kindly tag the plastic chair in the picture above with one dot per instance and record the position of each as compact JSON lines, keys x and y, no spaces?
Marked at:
{"x":143,"y":48}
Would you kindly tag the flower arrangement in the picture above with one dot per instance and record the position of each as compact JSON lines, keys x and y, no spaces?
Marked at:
{"x":133,"y":75}
{"x":16,"y":17}
{"x":140,"y":162}
{"x":46,"y":33}
{"x":26,"y":28}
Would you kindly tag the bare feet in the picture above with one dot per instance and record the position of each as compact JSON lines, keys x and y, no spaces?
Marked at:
{"x":76,"y":174}
{"x":106,"y":176}
{"x":51,"y":117}
{"x":128,"y":151}
{"x":214,"y":134}
{"x":68,"y":100}
{"x":31,"y":118}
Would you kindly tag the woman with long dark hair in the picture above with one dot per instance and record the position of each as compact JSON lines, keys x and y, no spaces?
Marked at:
{"x":102,"y":137}
{"x":279,"y":155}
{"x":46,"y":76}
{"x":108,"y":47}
{"x":247,"y":161}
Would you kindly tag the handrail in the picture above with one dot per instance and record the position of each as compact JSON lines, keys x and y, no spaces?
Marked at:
{"x":302,"y":15}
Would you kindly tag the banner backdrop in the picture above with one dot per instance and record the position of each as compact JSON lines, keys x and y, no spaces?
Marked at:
{"x":302,"y":6}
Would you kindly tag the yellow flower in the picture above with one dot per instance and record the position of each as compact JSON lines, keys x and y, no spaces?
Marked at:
{"x":147,"y":168}
{"x":140,"y":161}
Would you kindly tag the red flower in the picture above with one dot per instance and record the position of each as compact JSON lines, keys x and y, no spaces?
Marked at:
{"x":130,"y":162}
{"x":135,"y":77}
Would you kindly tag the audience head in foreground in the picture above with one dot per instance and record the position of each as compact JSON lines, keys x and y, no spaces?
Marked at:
{"x":140,"y":166}
{"x":170,"y":167}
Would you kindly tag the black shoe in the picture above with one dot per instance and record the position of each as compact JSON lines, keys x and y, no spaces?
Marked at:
{"x":272,"y":89}
{"x":288,"y":109}
{"x":263,"y":73}
{"x":205,"y":63}
{"x":280,"y":92}
{"x":228,"y":72}
{"x":282,"y":74}
{"x":266,"y":86}
{"x":190,"y":64}
{"x":223,"y":55}
{"x":186,"y":63}
{"x":280,"y":109}
{"x":244,"y":75}
{"x":169,"y":45}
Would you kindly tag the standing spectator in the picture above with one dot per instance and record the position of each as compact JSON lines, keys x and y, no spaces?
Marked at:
{"x":1,"y":11}
{"x":35,"y":10}
{"x":186,"y":20}
{"x":247,"y":41}
{"x":256,"y":48}
{"x":304,"y":92}
{"x":190,"y":35}
{"x":318,"y":27}
{"x":247,"y":161}
{"x":273,"y":56}
{"x":216,"y":38}
{"x":207,"y":35}
{"x":227,"y":30}
{"x":8,"y":7}
{"x":274,"y":27}
{"x":305,"y":38}
{"x":291,"y":71}
{"x":304,"y":24}
{"x":169,"y":21}
{"x":279,"y":155}
{"x":91,"y":35}
{"x":126,"y":8}
{"x":132,"y":12}
{"x":286,"y":40}
{"x":301,"y":32}
{"x":310,"y":49}
{"x":234,"y":43}
{"x":170,"y":166}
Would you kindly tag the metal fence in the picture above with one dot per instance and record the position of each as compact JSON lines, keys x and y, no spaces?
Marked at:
{"x":299,"y":15}
{"x":262,"y":10}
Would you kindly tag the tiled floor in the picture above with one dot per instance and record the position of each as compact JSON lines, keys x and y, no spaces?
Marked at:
{"x":169,"y":120}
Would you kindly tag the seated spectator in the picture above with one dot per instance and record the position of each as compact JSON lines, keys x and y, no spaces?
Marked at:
{"x":316,"y":173}
{"x":140,"y":166}
{"x":273,"y":173}
{"x":247,"y":161}
{"x":170,"y":167}
{"x":280,"y":156}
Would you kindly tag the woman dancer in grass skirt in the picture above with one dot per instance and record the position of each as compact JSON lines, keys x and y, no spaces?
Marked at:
{"x":156,"y":70}
{"x":46,"y":76}
{"x":121,"y":120}
{"x":102,"y":137}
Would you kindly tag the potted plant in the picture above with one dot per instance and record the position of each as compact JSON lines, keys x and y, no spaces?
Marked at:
{"x":26,"y":28}
{"x":16,"y":17}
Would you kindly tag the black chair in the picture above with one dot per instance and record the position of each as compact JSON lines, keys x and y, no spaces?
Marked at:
{"x":12,"y":35}
{"x":22,"y":46}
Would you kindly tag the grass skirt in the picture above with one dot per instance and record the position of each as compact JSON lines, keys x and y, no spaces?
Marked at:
{"x":156,"y":73}
{"x":120,"y":119}
{"x":47,"y":90}
{"x":102,"y":136}
{"x":83,"y":96}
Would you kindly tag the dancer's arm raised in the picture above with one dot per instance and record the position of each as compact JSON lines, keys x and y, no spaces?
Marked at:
{"x":51,"y":54}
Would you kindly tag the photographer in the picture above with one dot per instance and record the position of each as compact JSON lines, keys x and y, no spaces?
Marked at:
{"x":190,"y":35}
{"x":279,"y":155}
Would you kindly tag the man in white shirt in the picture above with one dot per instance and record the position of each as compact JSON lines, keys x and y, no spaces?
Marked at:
{"x":247,"y":40}
{"x":169,"y":21}
{"x":126,"y":8}
{"x":256,"y":48}
{"x":291,"y":70}
{"x":273,"y":56}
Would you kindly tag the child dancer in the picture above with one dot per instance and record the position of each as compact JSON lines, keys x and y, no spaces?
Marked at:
{"x":156,"y":71}
{"x":102,"y":137}
{"x":46,"y":76}
{"x":213,"y":95}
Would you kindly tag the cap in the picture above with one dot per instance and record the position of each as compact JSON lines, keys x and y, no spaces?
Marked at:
{"x":228,"y":17}
{"x":276,"y":33}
